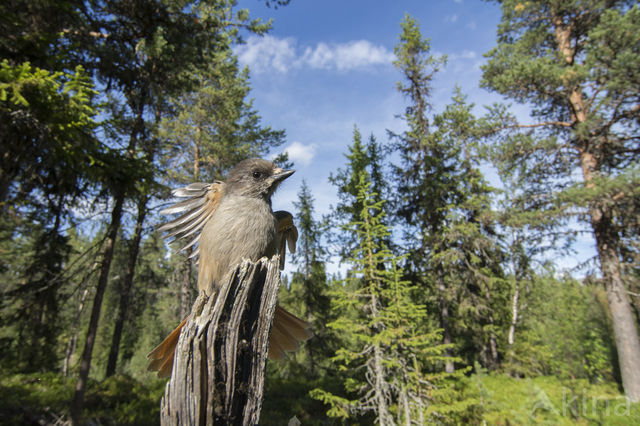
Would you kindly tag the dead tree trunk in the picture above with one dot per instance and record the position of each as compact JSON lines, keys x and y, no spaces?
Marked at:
{"x":220,"y":360}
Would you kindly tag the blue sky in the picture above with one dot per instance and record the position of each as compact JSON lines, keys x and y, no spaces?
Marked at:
{"x":327,"y":66}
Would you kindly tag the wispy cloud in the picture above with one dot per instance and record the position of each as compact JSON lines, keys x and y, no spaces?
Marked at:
{"x":451,"y":18}
{"x":347,"y":56}
{"x":465,"y":54}
{"x":283,"y":54}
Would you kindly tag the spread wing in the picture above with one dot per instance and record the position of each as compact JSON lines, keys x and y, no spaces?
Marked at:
{"x":202,"y":200}
{"x":287,"y":234}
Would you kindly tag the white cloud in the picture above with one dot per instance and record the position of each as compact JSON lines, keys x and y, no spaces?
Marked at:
{"x":264,"y":53}
{"x":300,"y":153}
{"x":347,"y":56}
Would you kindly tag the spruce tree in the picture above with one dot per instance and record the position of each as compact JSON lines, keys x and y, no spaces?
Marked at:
{"x":576,"y":64}
{"x":306,"y":293}
{"x":363,"y":160}
{"x":384,"y":349}
{"x":443,"y":204}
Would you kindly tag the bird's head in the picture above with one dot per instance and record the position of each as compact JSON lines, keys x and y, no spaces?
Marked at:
{"x":256,"y":178}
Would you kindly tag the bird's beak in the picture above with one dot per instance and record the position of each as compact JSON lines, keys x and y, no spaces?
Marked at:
{"x":281,"y":174}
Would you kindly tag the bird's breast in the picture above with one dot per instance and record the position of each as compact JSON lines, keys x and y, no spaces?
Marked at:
{"x":241,"y":228}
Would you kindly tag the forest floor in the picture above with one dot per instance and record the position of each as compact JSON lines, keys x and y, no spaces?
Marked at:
{"x":121,"y":400}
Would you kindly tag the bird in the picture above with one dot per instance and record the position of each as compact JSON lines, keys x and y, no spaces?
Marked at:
{"x":225,"y":223}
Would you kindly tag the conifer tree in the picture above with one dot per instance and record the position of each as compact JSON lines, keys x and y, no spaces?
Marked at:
{"x":576,"y":64}
{"x":50,"y":159}
{"x":384,"y":344}
{"x":306,"y":295}
{"x":443,"y":202}
{"x":362,"y":160}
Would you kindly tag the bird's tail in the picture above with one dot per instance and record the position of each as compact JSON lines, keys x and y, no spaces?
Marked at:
{"x":286,"y":334}
{"x":162,"y":356}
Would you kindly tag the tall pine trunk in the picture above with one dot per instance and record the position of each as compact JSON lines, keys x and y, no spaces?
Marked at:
{"x":606,"y":236}
{"x":624,"y":325}
{"x":127,"y":285}
{"x":607,"y":243}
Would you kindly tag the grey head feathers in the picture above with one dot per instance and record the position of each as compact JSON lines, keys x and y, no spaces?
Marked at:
{"x":255,"y":178}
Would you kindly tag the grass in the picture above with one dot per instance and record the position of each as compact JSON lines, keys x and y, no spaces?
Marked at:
{"x":122,"y":400}
{"x":551,"y":401}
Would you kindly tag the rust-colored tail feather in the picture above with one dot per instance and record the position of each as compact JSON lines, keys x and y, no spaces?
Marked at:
{"x":162,"y":356}
{"x":286,"y":334}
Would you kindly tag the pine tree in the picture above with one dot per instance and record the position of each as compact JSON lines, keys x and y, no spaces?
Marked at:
{"x":576,"y":64}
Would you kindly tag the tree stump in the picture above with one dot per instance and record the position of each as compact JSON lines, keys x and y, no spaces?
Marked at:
{"x":220,"y":360}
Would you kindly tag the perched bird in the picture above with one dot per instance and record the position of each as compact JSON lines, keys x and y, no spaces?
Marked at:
{"x":236,"y":222}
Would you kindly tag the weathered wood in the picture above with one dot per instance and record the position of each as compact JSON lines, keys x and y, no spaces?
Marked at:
{"x":218,"y":373}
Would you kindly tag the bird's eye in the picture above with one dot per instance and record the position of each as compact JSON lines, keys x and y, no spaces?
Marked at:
{"x":257,"y":175}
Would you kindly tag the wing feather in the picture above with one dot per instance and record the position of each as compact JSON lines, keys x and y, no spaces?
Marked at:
{"x":202,"y":201}
{"x":287,"y":234}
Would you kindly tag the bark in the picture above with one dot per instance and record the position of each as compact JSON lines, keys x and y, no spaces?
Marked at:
{"x":377,"y":373}
{"x":125,"y":291}
{"x":219,"y":369}
{"x":516,"y":297}
{"x":606,"y":236}
{"x":493,"y":341}
{"x":624,"y":325}
{"x":445,"y":325}
{"x":514,"y":313}
{"x":70,"y":350}
{"x":85,"y":364}
{"x":380,"y":389}
{"x":186,"y":286}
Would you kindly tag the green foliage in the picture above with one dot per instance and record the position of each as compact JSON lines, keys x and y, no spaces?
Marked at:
{"x":573,"y":341}
{"x":386,"y":354}
{"x":364,"y":161}
{"x":45,"y":397}
{"x":214,"y":126}
{"x":550,"y":401}
{"x":444,"y":205}
{"x":579,"y":73}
